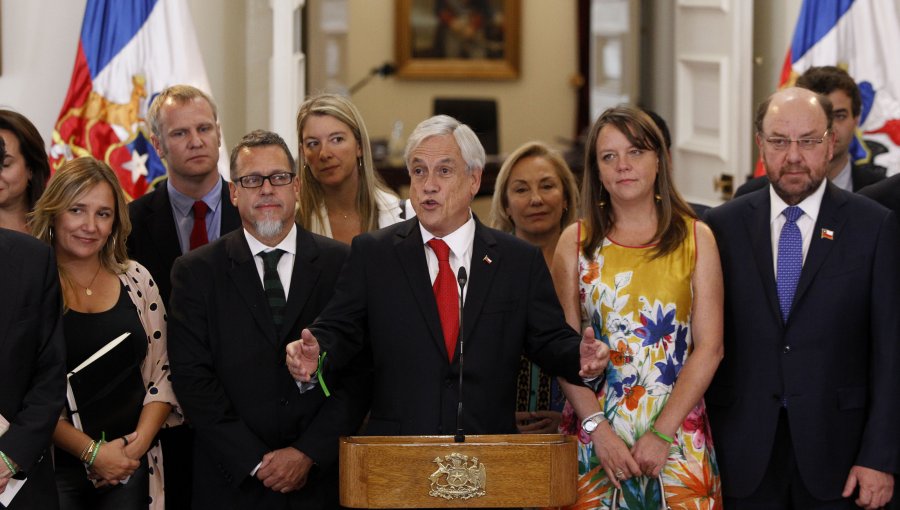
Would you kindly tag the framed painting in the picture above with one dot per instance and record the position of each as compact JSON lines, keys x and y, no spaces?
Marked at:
{"x":457,"y":39}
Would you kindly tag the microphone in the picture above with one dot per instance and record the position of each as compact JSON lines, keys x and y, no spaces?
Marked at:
{"x":384,"y":70}
{"x":461,"y":279}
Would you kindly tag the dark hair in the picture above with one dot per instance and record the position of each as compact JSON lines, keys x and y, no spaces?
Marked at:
{"x":31,"y":145}
{"x":663,"y":127}
{"x":259,"y":138}
{"x":826,"y":79}
{"x":2,"y":149}
{"x":822,"y":99}
{"x":671,"y":209}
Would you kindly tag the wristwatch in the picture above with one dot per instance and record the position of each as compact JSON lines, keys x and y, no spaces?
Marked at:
{"x":591,"y":423}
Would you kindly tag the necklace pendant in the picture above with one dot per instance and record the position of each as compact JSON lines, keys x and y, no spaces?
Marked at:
{"x":89,"y":292}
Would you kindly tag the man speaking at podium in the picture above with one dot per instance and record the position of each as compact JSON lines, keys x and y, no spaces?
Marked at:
{"x":397,"y":301}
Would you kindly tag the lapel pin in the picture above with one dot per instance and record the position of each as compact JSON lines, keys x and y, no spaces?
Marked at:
{"x":486,"y":260}
{"x":828,"y":234}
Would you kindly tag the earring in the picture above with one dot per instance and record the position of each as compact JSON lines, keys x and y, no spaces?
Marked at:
{"x":359,"y":163}
{"x":658,"y":197}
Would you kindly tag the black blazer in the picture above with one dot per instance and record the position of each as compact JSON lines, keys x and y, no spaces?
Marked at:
{"x":835,"y":360}
{"x":228,"y":370}
{"x":32,"y":362}
{"x":886,"y":193}
{"x":154,"y":240}
{"x":861,"y":175}
{"x":384,"y":306}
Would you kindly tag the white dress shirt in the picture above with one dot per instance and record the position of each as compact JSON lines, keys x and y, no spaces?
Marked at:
{"x":285,"y":263}
{"x":461,"y":243}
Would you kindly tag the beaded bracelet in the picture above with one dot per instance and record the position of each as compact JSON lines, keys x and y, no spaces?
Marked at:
{"x":9,"y":464}
{"x":661,"y":435}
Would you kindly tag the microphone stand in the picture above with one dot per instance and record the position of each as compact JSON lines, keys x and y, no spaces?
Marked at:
{"x":384,"y":71}
{"x":461,"y":279}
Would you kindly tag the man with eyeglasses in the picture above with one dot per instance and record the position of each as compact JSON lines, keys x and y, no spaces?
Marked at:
{"x":846,"y":99}
{"x":236,"y":303}
{"x":184,"y":211}
{"x":803,"y":407}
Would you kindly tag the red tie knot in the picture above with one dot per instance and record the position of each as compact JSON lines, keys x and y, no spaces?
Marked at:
{"x":200,"y":209}
{"x":440,"y":249}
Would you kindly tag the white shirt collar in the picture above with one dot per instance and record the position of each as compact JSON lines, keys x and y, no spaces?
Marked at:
{"x":288,"y":244}
{"x":459,"y":240}
{"x":810,"y":204}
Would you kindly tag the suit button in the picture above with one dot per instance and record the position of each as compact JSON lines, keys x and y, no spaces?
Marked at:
{"x":283,"y":401}
{"x":787,"y":349}
{"x":448,"y":382}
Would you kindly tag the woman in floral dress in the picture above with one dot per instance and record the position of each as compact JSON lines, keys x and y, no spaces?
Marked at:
{"x":645,"y":274}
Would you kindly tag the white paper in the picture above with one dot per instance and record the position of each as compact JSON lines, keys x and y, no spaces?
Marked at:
{"x":11,"y":489}
{"x":14,"y":485}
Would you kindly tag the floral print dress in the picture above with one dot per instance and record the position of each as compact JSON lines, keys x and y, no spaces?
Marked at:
{"x":641,"y":308}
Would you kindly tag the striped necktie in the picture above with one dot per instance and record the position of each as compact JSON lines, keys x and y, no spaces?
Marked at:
{"x":272,"y":286}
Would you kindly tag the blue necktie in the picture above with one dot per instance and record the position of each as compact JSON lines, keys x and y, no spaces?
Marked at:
{"x":790,"y":260}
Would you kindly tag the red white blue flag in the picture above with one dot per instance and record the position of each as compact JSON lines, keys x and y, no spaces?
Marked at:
{"x":128,"y":52}
{"x":863,"y":37}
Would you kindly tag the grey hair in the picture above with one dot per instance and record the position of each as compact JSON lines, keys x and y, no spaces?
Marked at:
{"x":259,"y":138}
{"x":469,"y":146}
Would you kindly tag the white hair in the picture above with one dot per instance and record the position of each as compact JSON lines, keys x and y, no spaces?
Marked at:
{"x":469,"y":146}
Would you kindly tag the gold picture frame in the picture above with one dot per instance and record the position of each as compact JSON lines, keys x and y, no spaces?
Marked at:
{"x":457,"y":39}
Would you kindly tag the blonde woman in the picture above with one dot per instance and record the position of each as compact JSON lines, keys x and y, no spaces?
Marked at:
{"x":535,"y":198}
{"x":83,"y":215}
{"x":341,"y":196}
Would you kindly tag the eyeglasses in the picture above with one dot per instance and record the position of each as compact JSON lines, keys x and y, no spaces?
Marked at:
{"x":255,"y":181}
{"x":780,"y":143}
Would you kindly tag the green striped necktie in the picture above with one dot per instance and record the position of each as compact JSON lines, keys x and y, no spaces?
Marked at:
{"x":272,"y":286}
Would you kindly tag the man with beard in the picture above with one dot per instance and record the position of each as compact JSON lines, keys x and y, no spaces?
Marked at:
{"x":261,"y":442}
{"x":846,"y":100}
{"x":803,"y":407}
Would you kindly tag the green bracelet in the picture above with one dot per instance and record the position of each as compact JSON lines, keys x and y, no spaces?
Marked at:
{"x":94,"y":454}
{"x":661,"y":435}
{"x":9,"y":464}
{"x":319,"y":374}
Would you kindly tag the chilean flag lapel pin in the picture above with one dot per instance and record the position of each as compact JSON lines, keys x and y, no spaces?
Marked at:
{"x":828,"y":234}
{"x":487,"y":260}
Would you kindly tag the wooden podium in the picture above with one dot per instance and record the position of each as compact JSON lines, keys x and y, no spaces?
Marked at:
{"x":516,"y":470}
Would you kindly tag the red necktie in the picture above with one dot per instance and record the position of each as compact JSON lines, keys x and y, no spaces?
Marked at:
{"x":446,"y":295}
{"x":198,"y":233}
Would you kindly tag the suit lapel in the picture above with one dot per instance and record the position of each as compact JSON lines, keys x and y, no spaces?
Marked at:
{"x":231,"y":218}
{"x":303,"y":279}
{"x":11,"y":286}
{"x":758,"y":223}
{"x":819,"y":247}
{"x":481,"y":275}
{"x":411,"y":252}
{"x":244,"y":275}
{"x":162,"y":226}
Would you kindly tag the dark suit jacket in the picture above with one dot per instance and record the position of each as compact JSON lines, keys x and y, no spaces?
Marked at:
{"x":885,"y":192}
{"x":835,"y":360}
{"x":228,"y":370}
{"x":32,"y":362}
{"x":384,"y":306}
{"x":154,"y":239}
{"x":861,"y":175}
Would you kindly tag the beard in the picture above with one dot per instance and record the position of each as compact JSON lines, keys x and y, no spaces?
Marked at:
{"x":268,"y":228}
{"x":785,"y":184}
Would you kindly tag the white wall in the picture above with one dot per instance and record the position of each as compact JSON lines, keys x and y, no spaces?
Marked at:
{"x":39,"y":41}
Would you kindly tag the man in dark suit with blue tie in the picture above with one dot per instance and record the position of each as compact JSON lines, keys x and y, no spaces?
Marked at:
{"x":398,"y":301}
{"x":804,"y":407}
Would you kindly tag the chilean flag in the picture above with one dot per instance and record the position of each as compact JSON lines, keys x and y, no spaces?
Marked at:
{"x":863,"y":37}
{"x":129,"y":51}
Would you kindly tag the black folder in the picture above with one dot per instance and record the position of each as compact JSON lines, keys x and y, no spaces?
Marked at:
{"x":106,"y":392}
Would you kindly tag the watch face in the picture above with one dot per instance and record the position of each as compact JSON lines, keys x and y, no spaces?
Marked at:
{"x":590,"y":426}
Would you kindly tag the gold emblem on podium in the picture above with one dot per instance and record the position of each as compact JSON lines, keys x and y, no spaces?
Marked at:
{"x":457,"y":477}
